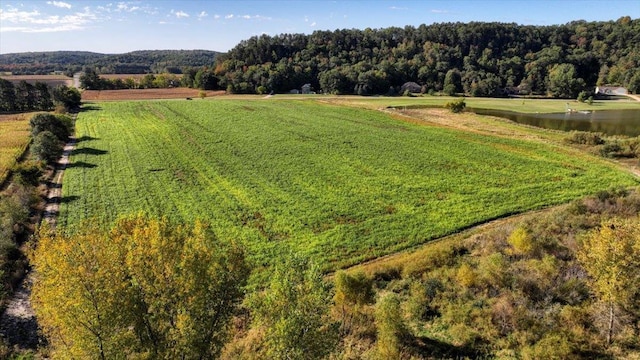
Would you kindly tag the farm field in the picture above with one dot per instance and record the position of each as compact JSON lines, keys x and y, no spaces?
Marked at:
{"x":144,"y":94}
{"x":342,"y":184}
{"x":51,"y":80}
{"x":14,"y":137}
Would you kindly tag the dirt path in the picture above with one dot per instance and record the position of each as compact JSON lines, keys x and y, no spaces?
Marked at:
{"x":18,"y":324}
{"x":634,"y":97}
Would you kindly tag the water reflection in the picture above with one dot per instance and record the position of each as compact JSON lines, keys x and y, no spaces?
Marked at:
{"x":610,"y":122}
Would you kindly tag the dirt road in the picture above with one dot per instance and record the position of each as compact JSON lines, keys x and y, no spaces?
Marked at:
{"x":18,"y":324}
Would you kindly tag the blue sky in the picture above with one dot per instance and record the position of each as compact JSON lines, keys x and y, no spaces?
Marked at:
{"x":117,"y":27}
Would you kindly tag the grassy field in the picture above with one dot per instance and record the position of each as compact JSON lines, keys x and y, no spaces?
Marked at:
{"x":14,"y":137}
{"x":509,"y":104}
{"x":342,"y":184}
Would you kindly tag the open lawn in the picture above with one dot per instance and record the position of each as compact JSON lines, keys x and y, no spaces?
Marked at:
{"x":14,"y":137}
{"x":342,"y":184}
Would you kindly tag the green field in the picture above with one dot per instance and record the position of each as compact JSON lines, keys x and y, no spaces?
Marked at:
{"x":339,"y":183}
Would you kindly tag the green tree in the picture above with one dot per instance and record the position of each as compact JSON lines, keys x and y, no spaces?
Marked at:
{"x":146,"y":289}
{"x":46,"y":146}
{"x":611,"y":256}
{"x":68,"y":97}
{"x":59,"y":125}
{"x":294,"y":310}
{"x":563,"y":81}
{"x":7,"y":96}
{"x":44,"y":98}
{"x":452,"y":82}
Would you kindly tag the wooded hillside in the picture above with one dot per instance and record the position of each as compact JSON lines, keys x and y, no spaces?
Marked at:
{"x":479,"y":59}
{"x":136,"y":62}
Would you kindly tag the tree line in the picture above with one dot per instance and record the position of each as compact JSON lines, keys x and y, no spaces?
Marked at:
{"x":136,"y":62}
{"x":478,"y":59}
{"x":25,"y":97}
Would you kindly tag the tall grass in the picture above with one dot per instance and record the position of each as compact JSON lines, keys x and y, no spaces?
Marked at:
{"x":14,"y":138}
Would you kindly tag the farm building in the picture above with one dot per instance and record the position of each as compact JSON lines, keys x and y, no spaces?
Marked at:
{"x":611,"y":90}
{"x":411,"y":86}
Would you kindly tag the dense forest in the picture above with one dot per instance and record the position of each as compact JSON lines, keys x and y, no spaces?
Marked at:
{"x":136,"y":62}
{"x":479,"y":59}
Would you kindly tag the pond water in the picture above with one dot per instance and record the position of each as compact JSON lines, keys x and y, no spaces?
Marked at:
{"x":610,"y":122}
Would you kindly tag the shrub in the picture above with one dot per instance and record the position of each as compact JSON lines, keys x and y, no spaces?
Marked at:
{"x":28,"y":172}
{"x":584,"y":138}
{"x":521,"y":241}
{"x":611,"y":149}
{"x":59,"y":125}
{"x":356,"y":289}
{"x":582,"y":96}
{"x":456,"y":106}
{"x":46,"y":147}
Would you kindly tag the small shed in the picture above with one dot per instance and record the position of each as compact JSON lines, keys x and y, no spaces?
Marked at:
{"x":306,"y":89}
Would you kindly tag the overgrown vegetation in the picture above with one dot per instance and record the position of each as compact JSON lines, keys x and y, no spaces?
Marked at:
{"x":561,"y":285}
{"x":147,"y":289}
{"x":341,"y":184}
{"x":607,"y":146}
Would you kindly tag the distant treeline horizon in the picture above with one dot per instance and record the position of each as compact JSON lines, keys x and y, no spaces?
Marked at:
{"x":476,"y":59}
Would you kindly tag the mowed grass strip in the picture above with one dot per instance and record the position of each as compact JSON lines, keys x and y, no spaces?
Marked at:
{"x":14,"y":138}
{"x":339,"y":183}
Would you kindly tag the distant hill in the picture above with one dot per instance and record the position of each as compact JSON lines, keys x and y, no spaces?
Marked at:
{"x":135,"y":62}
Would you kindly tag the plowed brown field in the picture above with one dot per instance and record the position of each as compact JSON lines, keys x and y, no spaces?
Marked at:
{"x":145,"y":94}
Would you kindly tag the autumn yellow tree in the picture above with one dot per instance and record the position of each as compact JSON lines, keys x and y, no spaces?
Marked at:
{"x":611,"y":256}
{"x":146,"y":289}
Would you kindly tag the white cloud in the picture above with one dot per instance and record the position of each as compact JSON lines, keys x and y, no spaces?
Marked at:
{"x":14,"y":20}
{"x":436,"y":11}
{"x":181,"y":14}
{"x":313,"y":24}
{"x":216,"y":16}
{"x":202,"y":14}
{"x":398,"y":8}
{"x":127,"y":7}
{"x":246,"y":17}
{"x":60,"y":4}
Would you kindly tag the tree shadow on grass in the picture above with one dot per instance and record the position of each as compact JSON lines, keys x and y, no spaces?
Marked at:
{"x":62,"y":199}
{"x":88,"y":151}
{"x":86,"y":138}
{"x":87,"y":106}
{"x":81,"y":164}
{"x":444,"y":350}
